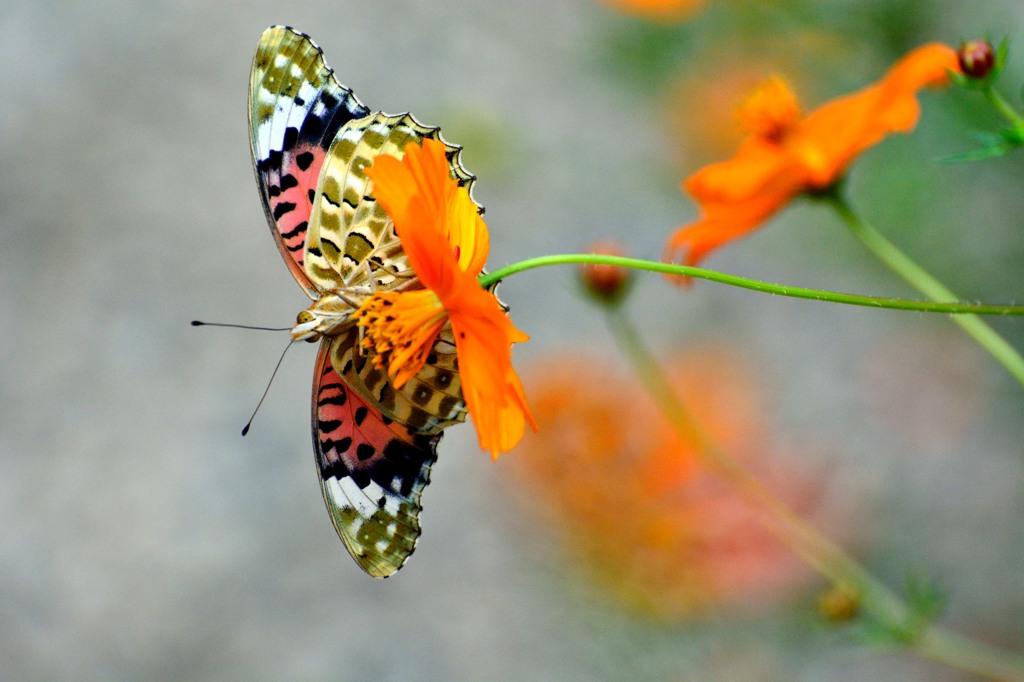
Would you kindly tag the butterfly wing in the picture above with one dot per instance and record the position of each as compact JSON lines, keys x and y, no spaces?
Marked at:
{"x":372,"y":470}
{"x":296,"y":107}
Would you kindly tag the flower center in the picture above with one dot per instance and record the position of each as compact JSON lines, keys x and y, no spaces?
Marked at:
{"x":770,"y":111}
{"x":400,"y":329}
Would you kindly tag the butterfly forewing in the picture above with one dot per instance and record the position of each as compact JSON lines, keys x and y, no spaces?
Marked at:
{"x":296,"y":107}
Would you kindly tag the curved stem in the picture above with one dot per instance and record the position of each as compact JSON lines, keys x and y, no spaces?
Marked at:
{"x":948,"y":306}
{"x":1004,"y":107}
{"x":917,"y":277}
{"x":818,"y":551}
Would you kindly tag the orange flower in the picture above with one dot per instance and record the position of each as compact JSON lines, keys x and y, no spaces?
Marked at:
{"x":640,"y":514}
{"x":665,"y":10}
{"x":446,"y":242}
{"x":786,"y":153}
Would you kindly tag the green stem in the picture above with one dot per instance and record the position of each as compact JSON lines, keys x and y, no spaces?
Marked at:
{"x":1004,"y":108}
{"x":915,"y":276}
{"x":949,"y":306}
{"x":818,"y":551}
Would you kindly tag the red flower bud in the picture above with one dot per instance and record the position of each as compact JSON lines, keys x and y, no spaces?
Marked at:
{"x":976,"y":58}
{"x":606,"y":283}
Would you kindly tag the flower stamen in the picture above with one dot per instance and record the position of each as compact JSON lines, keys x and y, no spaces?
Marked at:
{"x":399,"y":329}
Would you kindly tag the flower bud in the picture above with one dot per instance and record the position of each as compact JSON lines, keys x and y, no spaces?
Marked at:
{"x":976,"y":58}
{"x":606,"y":283}
{"x":839,"y":604}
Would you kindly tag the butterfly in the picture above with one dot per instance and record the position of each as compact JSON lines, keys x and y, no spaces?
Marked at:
{"x":311,"y":139}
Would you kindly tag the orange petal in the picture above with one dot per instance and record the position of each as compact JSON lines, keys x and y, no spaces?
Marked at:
{"x":419,"y":193}
{"x":761,"y":184}
{"x":494,"y":395}
{"x":467,"y":232}
{"x":663,"y":10}
{"x":755,"y":166}
{"x":836,"y":133}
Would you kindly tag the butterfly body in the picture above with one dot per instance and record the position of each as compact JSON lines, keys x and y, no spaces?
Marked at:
{"x":374,"y":444}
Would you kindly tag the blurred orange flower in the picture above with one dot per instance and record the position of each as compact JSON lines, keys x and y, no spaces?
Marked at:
{"x":787,"y":153}
{"x":664,"y":10}
{"x":646,"y":521}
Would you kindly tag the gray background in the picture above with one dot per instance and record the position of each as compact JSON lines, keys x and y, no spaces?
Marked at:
{"x":143,"y":538}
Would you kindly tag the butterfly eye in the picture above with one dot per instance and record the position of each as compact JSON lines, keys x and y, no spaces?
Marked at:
{"x":305,"y":318}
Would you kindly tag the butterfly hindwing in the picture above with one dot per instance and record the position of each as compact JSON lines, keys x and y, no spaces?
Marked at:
{"x":428,"y":402}
{"x":296,"y":107}
{"x":372,"y":470}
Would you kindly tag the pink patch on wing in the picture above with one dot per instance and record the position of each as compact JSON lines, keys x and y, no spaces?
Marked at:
{"x":293,"y":203}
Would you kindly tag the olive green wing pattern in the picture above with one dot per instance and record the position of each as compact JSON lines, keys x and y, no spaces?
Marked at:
{"x":351,"y":240}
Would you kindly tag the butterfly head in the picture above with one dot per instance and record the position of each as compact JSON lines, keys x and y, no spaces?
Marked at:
{"x":329,"y":315}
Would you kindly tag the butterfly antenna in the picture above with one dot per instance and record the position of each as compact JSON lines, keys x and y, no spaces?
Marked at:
{"x":245,"y":429}
{"x":200,"y":323}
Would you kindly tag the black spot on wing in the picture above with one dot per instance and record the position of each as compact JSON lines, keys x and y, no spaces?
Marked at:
{"x":291,"y":137}
{"x":339,"y":399}
{"x":283,"y":208}
{"x":329,"y":425}
{"x":273,"y":160}
{"x":361,"y":478}
{"x":295,"y":231}
{"x":407,"y":461}
{"x":448,"y":405}
{"x":312,"y":129}
{"x":304,"y":160}
{"x":335,"y":469}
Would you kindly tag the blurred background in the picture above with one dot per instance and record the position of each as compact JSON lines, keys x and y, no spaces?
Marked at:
{"x":144,"y":538}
